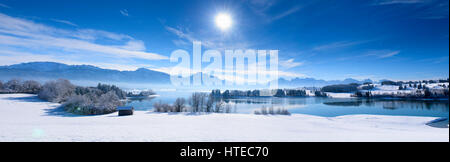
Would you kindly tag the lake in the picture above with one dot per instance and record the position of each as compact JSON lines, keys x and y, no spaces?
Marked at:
{"x":326,"y":107}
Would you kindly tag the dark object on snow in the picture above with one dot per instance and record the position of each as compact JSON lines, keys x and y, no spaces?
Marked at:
{"x":124,"y":111}
{"x":439,"y":123}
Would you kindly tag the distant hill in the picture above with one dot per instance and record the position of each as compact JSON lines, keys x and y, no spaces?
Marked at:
{"x":52,"y":70}
{"x":311,"y":82}
{"x":43,"y":71}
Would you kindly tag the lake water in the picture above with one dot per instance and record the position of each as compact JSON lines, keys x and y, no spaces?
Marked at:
{"x":326,"y":107}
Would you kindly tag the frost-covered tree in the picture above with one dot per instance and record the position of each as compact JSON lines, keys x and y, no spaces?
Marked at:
{"x":107,"y":88}
{"x":57,"y":91}
{"x":79,"y":104}
{"x":31,"y":86}
{"x":107,"y":103}
{"x":14,"y":85}
{"x":1,"y":85}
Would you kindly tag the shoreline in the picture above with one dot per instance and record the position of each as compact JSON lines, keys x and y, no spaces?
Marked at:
{"x":23,"y":117}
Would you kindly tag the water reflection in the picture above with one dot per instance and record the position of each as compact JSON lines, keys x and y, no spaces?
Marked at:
{"x":324,"y":106}
{"x":395,"y":104}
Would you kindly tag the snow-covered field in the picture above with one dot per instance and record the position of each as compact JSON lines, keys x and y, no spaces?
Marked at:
{"x":25,"y":118}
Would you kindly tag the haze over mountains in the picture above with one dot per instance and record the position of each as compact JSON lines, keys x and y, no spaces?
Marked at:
{"x":50,"y":70}
{"x":43,"y":71}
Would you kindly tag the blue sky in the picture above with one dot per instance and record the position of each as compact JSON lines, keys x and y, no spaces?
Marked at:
{"x":323,"y":39}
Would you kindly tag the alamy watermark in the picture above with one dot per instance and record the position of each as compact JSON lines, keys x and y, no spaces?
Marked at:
{"x":235,"y":67}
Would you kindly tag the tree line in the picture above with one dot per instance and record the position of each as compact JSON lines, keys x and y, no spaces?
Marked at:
{"x":102,"y":99}
{"x":196,"y":103}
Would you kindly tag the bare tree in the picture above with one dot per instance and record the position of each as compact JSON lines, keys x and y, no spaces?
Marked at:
{"x":228,"y":108}
{"x":218,"y":106}
{"x":1,"y":85}
{"x":209,"y":104}
{"x":179,"y":104}
{"x":197,"y":101}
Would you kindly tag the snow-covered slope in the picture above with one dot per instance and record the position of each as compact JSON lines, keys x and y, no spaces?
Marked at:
{"x":25,"y":118}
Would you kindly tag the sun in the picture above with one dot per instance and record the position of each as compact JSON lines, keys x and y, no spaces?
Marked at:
{"x":224,"y":21}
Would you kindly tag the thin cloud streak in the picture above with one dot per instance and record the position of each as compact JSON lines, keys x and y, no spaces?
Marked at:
{"x":124,"y":12}
{"x":390,"y":2}
{"x":289,"y":64}
{"x":286,"y":13}
{"x":27,"y":34}
{"x":4,"y":6}
{"x":65,"y":22}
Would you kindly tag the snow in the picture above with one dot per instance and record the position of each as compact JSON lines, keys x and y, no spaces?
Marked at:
{"x":339,"y":95}
{"x":25,"y":118}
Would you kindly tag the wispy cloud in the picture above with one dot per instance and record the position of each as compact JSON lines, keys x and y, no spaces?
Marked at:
{"x":335,"y":45}
{"x":124,"y":12}
{"x":23,"y":35}
{"x":262,"y":8}
{"x":436,"y":60}
{"x":382,"y":53}
{"x":4,"y":6}
{"x":185,"y":38}
{"x":65,"y":22}
{"x":390,"y":2}
{"x":185,"y":35}
{"x":426,"y":9}
{"x":288,"y":64}
{"x":286,"y":13}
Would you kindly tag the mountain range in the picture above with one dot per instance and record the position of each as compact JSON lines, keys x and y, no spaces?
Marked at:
{"x":43,"y":71}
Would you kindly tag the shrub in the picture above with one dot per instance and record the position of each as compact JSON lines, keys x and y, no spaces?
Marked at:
{"x":160,"y":107}
{"x":271,"y":111}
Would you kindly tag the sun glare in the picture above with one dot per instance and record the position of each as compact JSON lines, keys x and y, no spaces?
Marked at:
{"x":224,"y":21}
